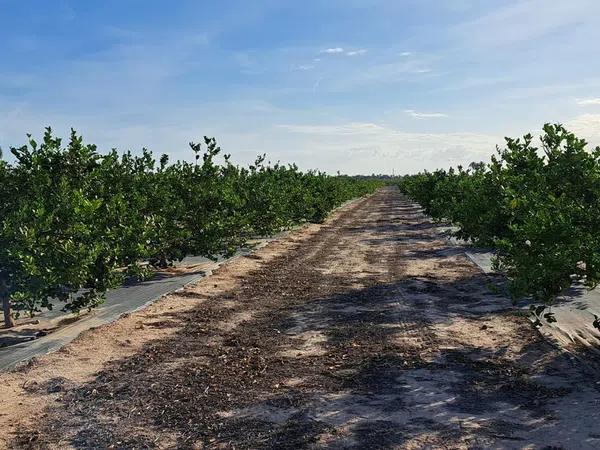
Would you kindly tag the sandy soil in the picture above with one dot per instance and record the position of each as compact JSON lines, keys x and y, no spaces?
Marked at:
{"x":369,"y":331}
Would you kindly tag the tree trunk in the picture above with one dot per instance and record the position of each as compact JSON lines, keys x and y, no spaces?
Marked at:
{"x":9,"y":322}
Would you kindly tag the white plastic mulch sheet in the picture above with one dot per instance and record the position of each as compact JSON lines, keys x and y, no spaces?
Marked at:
{"x":574,"y":312}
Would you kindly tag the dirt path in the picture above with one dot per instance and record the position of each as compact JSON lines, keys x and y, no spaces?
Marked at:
{"x":366,"y":332}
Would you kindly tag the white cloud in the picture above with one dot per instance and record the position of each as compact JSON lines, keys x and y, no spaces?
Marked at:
{"x":422,"y":115}
{"x":356,"y":52}
{"x":405,"y":53}
{"x":370,"y":147}
{"x":588,"y":101}
{"x":338,"y":50}
{"x":305,"y":67}
{"x":586,"y":126}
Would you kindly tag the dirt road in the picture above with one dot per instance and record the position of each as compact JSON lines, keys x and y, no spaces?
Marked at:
{"x":369,"y":331}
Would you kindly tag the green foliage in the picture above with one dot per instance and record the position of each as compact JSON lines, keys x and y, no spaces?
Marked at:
{"x":75,"y":222}
{"x":538,"y":206}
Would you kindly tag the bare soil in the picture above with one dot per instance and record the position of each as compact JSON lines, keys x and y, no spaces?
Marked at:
{"x":369,"y":331}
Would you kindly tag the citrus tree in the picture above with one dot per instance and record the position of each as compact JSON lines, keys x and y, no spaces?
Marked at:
{"x":539,"y":206}
{"x":75,"y":222}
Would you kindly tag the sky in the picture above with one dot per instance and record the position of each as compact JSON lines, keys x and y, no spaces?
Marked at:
{"x":357,"y":86}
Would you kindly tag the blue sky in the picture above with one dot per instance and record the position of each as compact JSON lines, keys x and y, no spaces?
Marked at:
{"x":356,"y":86}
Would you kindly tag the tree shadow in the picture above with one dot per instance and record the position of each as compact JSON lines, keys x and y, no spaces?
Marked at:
{"x":378,"y":392}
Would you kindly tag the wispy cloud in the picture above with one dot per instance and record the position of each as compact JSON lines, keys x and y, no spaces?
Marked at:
{"x":423,"y":115}
{"x":381,"y":74}
{"x":305,"y":67}
{"x":352,"y":128}
{"x":317,"y":83}
{"x":115,"y":32}
{"x":356,"y":52}
{"x":588,"y":101}
{"x":341,"y":50}
{"x":17,"y":79}
{"x":67,"y":11}
{"x":524,"y":21}
{"x":382,"y":148}
{"x":127,"y":80}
